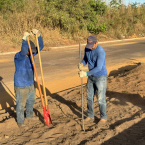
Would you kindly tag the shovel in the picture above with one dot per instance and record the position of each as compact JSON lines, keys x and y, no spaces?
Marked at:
{"x":46,"y":110}
{"x":82,"y":92}
{"x":46,"y":117}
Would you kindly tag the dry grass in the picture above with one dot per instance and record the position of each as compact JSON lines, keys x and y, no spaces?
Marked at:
{"x":12,"y":27}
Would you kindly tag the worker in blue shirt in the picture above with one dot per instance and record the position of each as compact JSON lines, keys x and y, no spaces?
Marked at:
{"x":24,"y":78}
{"x":97,"y":78}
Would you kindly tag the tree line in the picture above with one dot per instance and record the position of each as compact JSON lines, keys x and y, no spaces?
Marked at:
{"x":71,"y":16}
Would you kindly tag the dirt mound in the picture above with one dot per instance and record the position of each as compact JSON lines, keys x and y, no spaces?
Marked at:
{"x":125,"y":109}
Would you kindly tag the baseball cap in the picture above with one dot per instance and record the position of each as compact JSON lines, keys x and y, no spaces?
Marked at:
{"x":91,"y":40}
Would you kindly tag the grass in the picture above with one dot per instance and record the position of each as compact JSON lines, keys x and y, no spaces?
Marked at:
{"x":120,"y":23}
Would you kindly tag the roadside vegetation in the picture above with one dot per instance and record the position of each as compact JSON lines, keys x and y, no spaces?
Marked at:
{"x":69,"y":21}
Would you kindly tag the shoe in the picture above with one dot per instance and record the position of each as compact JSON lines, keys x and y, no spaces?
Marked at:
{"x":32,"y":118}
{"x":102,"y":122}
{"x":21,"y":125}
{"x":88,"y":119}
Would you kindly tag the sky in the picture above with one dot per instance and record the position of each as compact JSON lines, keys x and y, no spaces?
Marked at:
{"x":126,"y":2}
{"x":133,"y":1}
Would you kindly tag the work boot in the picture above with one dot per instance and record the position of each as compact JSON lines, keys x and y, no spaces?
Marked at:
{"x":88,"y":119}
{"x":20,"y":125}
{"x":102,"y":122}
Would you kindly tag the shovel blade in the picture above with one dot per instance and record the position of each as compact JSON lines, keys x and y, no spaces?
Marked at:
{"x":47,"y":118}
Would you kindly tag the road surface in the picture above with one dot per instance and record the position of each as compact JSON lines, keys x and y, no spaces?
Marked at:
{"x":62,"y":60}
{"x":60,"y":65}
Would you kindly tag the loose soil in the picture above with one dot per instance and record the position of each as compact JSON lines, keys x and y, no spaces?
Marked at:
{"x":125,"y":110}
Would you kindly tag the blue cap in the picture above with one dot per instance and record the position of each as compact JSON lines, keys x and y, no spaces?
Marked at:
{"x":91,"y":40}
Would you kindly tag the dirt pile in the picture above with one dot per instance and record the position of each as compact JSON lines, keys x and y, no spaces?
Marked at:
{"x":125,"y":109}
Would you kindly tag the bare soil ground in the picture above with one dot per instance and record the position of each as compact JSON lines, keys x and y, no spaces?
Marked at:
{"x":125,"y":109}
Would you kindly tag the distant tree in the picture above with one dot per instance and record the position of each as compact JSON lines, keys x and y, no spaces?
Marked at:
{"x":98,"y":6}
{"x":134,"y":5}
{"x":115,"y":3}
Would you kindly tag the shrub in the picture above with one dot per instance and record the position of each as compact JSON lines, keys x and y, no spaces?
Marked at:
{"x":70,"y":17}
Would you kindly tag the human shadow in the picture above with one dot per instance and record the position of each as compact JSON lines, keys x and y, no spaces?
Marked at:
{"x":71,"y":104}
{"x":7,"y":100}
{"x":38,"y":114}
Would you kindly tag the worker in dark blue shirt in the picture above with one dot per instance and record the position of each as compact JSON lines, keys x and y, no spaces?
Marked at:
{"x":97,"y":78}
{"x":24,"y":78}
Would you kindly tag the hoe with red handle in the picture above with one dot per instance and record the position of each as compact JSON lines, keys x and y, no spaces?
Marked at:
{"x":47,"y":118}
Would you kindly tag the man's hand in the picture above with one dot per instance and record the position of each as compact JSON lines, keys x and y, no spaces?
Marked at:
{"x":35,"y":31}
{"x":26,"y":34}
{"x":82,"y":74}
{"x":80,"y":66}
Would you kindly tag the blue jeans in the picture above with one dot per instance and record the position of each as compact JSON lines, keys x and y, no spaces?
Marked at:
{"x":98,"y":84}
{"x":25,"y":97}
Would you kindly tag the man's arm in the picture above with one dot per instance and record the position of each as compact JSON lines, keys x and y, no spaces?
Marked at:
{"x":24,"y":48}
{"x":41,"y":45}
{"x":100,"y":62}
{"x":85,"y":60}
{"x":40,"y":40}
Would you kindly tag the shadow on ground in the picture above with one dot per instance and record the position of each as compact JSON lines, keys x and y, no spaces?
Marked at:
{"x":123,"y":69}
{"x":131,"y":136}
{"x":7,"y":101}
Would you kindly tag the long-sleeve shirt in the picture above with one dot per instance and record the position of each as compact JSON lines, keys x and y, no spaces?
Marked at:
{"x":96,"y":61}
{"x":24,"y":72}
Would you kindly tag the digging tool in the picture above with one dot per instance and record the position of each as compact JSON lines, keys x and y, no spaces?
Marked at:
{"x":47,"y":114}
{"x":82,"y":91}
{"x":38,"y":84}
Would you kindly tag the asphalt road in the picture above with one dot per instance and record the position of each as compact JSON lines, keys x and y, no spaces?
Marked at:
{"x":61,"y":60}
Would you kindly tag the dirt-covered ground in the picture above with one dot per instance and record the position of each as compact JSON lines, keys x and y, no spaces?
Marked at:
{"x":125,"y":109}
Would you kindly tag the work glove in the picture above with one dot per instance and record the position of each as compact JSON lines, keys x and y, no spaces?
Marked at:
{"x":26,"y":34}
{"x":35,"y":31}
{"x":80,"y":66}
{"x":82,"y":74}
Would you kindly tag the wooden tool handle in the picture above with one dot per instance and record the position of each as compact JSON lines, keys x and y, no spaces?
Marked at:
{"x":38,"y":84}
{"x":43,"y":83}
